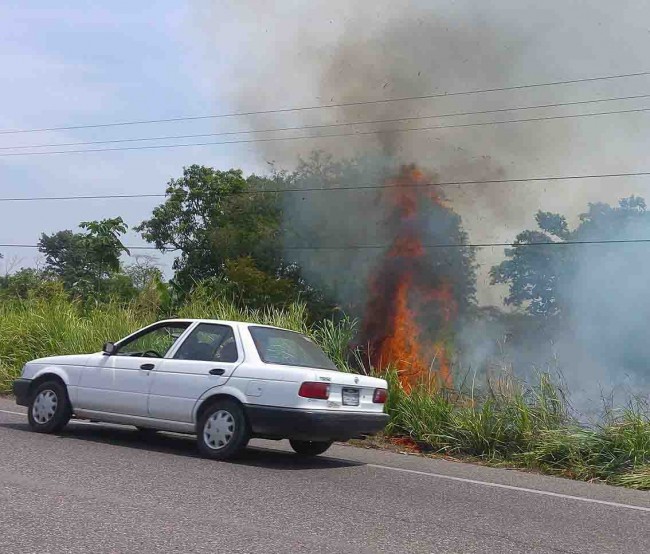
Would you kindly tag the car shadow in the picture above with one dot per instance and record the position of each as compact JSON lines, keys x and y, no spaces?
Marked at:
{"x":185,"y":445}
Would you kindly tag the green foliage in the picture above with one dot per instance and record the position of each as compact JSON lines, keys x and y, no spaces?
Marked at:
{"x":84,"y":262}
{"x":539,"y":275}
{"x":336,"y":338}
{"x":228,"y":234}
{"x":243,"y":280}
{"x":524,"y":426}
{"x":27,"y":282}
{"x":638,"y":478}
{"x":496,"y":422}
{"x":617,"y":450}
{"x":212,"y":216}
{"x":203,"y":303}
{"x":143,"y":273}
{"x":39,"y":327}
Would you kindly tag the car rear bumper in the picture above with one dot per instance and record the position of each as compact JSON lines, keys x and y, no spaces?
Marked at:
{"x":314,"y":425}
{"x":21,"y":391}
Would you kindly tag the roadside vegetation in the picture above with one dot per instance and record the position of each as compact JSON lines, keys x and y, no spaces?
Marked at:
{"x":509,"y":423}
{"x":502,"y":422}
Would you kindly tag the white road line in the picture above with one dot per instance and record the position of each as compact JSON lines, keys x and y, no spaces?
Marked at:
{"x":14,"y":413}
{"x":513,"y":488}
{"x":25,"y":414}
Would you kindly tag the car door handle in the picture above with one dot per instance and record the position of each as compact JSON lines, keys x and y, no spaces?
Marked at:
{"x":217,"y":371}
{"x":147,"y":367}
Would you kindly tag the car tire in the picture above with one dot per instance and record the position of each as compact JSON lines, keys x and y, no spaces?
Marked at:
{"x":49,"y":408}
{"x":310,"y":448}
{"x":222,"y":431}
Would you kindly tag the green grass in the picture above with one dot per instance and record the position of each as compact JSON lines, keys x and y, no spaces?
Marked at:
{"x":500,"y":421}
{"x":527,"y":426}
{"x":38,"y":327}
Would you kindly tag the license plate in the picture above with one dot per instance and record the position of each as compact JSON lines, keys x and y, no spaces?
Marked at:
{"x":350,"y":397}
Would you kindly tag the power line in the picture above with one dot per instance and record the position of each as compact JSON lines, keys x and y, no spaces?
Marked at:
{"x":474,"y":245}
{"x":36,"y":246}
{"x":325,"y":106}
{"x":342,"y":188}
{"x":90,"y":197}
{"x":425,"y":246}
{"x":329,"y":125}
{"x":331,"y":135}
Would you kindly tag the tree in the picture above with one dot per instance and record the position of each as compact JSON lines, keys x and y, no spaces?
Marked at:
{"x":27,"y":282}
{"x":542,"y":277}
{"x":211,"y":216}
{"x":83,"y":261}
{"x":143,"y":272}
{"x":227,"y":232}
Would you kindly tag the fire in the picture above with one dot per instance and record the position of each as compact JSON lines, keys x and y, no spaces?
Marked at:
{"x":406,"y":289}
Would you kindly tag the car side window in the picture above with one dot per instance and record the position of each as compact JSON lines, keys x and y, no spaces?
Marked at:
{"x":154,"y":343}
{"x":209,"y":342}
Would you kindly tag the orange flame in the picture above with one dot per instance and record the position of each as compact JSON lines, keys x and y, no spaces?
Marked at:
{"x":402,"y":286}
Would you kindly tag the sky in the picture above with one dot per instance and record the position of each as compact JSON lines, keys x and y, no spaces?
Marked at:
{"x":86,"y":63}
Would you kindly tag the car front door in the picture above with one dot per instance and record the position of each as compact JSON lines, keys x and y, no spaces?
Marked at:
{"x":120,"y":383}
{"x":206,"y":358}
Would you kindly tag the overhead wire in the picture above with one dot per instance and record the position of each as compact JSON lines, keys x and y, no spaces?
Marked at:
{"x":327,"y":106}
{"x":331,"y":135}
{"x":338,"y":188}
{"x":330,"y":125}
{"x":425,"y":246}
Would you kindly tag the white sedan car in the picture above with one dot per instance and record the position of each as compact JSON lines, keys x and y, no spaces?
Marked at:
{"x":226,"y":381}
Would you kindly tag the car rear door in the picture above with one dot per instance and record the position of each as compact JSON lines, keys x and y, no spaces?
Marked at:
{"x":205,"y":359}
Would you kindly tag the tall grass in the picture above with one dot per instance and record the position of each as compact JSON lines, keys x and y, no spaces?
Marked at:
{"x":499,"y":421}
{"x":495,"y":422}
{"x":529,"y":426}
{"x":41,"y":327}
{"x":44,"y":327}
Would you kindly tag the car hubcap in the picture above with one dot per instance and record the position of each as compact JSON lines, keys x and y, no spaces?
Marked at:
{"x":44,"y":406}
{"x":219,"y":429}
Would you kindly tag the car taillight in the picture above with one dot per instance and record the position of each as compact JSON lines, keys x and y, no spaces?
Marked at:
{"x":380,"y":396}
{"x":320,"y":391}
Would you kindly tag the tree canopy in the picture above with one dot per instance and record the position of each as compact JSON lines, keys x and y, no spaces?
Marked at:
{"x":539,"y":277}
{"x":225,"y":230}
{"x":211,"y":216}
{"x":83,"y":261}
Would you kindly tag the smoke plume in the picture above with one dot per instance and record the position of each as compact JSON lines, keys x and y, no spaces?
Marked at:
{"x":338,"y":52}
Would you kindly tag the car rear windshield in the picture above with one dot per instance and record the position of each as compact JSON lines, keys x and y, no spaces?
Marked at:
{"x":277,"y":346}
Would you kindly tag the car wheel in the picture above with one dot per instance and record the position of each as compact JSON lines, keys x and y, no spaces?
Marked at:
{"x":310,"y":448}
{"x":49,"y":408}
{"x":222,"y":431}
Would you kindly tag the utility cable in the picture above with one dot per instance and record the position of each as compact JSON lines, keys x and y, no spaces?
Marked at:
{"x":339,"y":188}
{"x":331,"y":135}
{"x":327,"y":125}
{"x":425,"y":246}
{"x":326,"y":106}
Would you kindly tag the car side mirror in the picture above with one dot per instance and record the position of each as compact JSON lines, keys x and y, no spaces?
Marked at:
{"x":109,"y":349}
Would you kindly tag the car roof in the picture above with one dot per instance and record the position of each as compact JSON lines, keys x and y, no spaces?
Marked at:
{"x":222,"y":322}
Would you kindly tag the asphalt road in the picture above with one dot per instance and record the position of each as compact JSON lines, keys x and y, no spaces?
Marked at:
{"x":98,"y":488}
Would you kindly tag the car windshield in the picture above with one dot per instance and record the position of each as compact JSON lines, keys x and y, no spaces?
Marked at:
{"x":277,"y":346}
